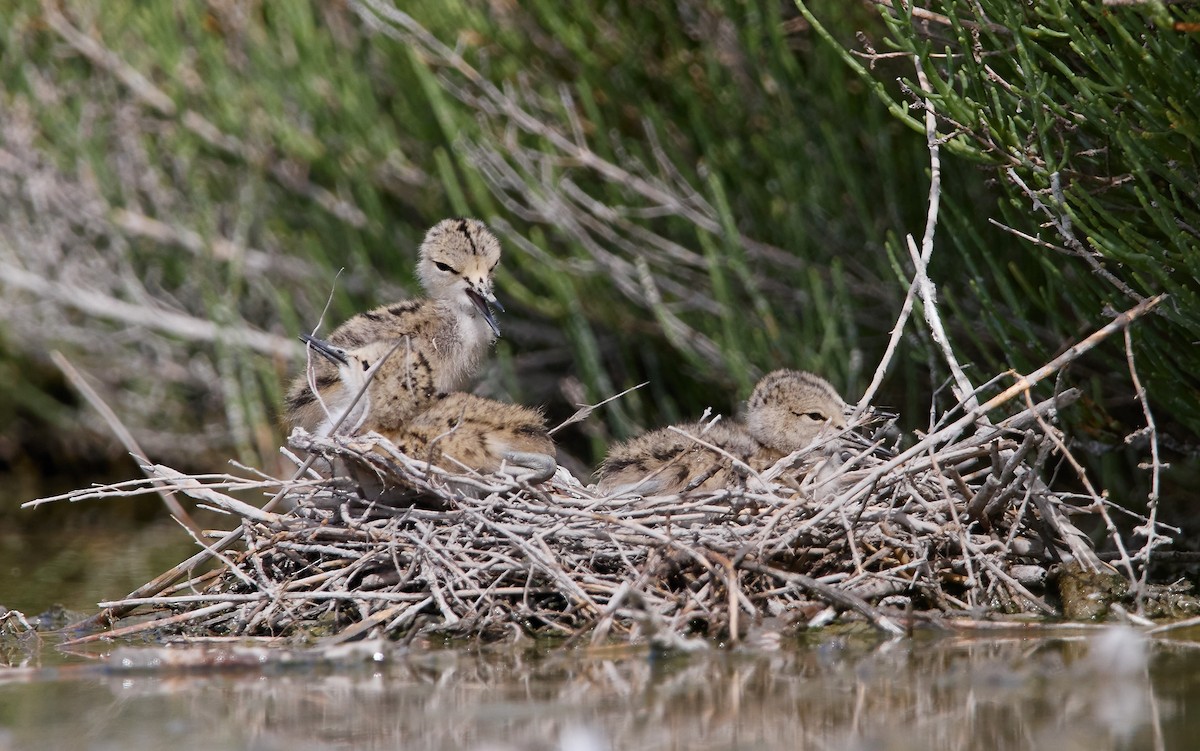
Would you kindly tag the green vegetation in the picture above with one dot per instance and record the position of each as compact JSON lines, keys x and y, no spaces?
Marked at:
{"x":688,"y":193}
{"x":1086,"y":117}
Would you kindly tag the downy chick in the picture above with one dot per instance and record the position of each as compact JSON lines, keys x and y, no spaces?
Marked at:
{"x":442,"y":337}
{"x":663,"y":462}
{"x":788,"y":410}
{"x":457,"y":432}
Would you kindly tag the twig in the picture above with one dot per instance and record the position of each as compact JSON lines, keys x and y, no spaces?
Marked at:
{"x":1023,"y":384}
{"x":123,"y":435}
{"x":1150,"y":529}
{"x":963,"y":390}
{"x":585,"y":411}
{"x":928,"y":15}
{"x":138,"y":628}
{"x":832,"y":596}
{"x":888,"y":353}
{"x":1062,"y":223}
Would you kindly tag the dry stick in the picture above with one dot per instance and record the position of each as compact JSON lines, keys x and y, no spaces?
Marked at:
{"x":125,"y":437}
{"x":201,"y":492}
{"x":228,"y":563}
{"x":732,"y":590}
{"x":994,"y":482}
{"x":168,"y":577}
{"x":586,"y":410}
{"x":1023,"y":384}
{"x":1176,"y":626}
{"x":601,"y":624}
{"x":886,"y":360}
{"x":366,"y":624}
{"x":1156,"y":465}
{"x":310,"y":373}
{"x":1012,"y":583}
{"x":234,"y":599}
{"x":1097,"y":501}
{"x":137,"y":627}
{"x":1010,"y":481}
{"x":928,"y":15}
{"x":838,"y":598}
{"x":921,"y":262}
{"x":964,"y":535}
{"x":964,"y":391}
{"x":1062,"y":223}
{"x":146,"y":485}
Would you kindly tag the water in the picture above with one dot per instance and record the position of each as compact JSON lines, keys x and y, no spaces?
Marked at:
{"x":75,"y":563}
{"x":1000,"y":692}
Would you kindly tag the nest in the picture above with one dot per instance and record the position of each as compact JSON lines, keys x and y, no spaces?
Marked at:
{"x":968,"y":528}
{"x":957,"y":522}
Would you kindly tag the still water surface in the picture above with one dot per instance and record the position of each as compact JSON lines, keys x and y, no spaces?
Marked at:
{"x":999,"y":692}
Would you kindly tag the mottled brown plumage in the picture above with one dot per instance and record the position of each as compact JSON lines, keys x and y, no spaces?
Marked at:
{"x":463,"y":430}
{"x":457,"y":432}
{"x":662,"y":461}
{"x":787,"y":411}
{"x":441,"y":338}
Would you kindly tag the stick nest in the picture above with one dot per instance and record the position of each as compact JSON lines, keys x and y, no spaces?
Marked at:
{"x":966,"y":527}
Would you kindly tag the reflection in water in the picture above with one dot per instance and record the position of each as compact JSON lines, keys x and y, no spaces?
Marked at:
{"x":999,"y":693}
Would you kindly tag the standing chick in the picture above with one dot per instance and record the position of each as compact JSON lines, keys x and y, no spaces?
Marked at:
{"x":441,"y":338}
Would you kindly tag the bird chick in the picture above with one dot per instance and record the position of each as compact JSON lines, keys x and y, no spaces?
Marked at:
{"x":453,"y":431}
{"x":442,"y":337}
{"x":788,"y":410}
{"x":663,"y":462}
{"x":467,"y":431}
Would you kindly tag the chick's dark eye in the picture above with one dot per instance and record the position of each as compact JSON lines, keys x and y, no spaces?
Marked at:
{"x":444,"y":267}
{"x":366,"y":365}
{"x":816,"y":416}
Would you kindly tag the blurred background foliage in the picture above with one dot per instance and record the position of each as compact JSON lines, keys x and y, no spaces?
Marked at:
{"x":689,"y":193}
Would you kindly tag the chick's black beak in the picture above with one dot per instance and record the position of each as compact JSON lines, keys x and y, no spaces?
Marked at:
{"x":336,"y":355}
{"x":481,"y":303}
